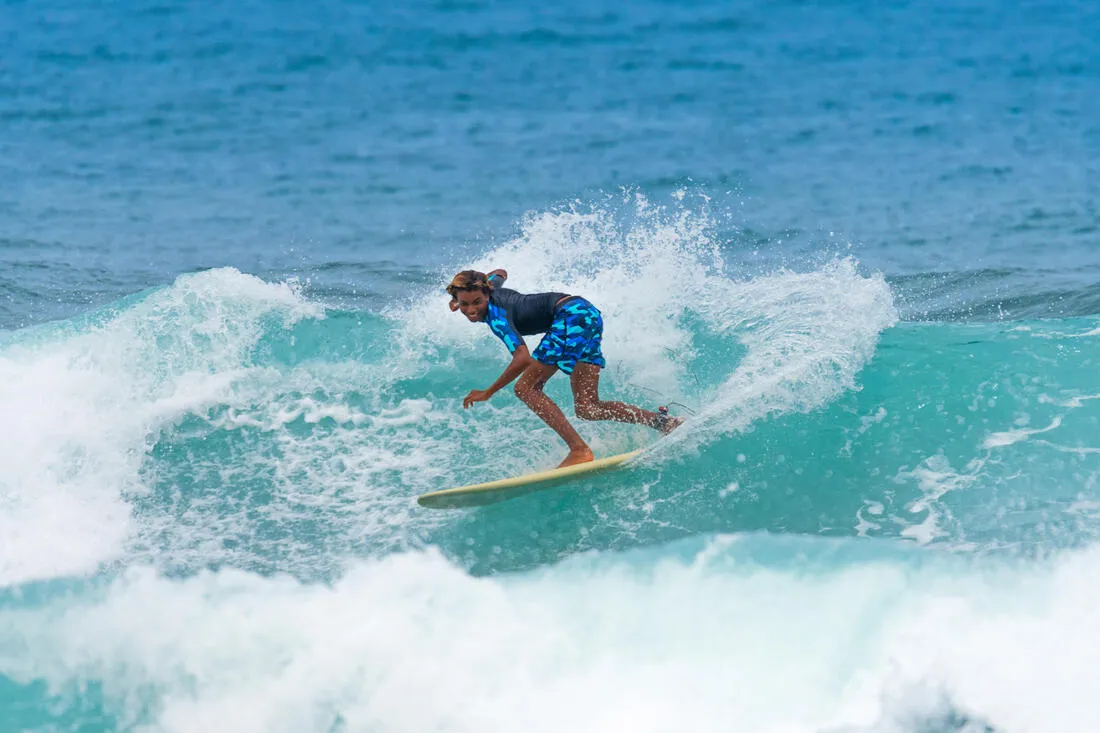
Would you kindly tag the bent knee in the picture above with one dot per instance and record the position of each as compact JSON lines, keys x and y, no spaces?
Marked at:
{"x":587,"y":411}
{"x":525,"y":389}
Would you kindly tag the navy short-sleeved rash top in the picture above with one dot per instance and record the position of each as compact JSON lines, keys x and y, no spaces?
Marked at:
{"x":513,"y":315}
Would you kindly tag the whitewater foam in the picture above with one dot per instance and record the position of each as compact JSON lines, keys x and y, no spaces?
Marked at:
{"x":704,"y":638}
{"x":82,"y":405}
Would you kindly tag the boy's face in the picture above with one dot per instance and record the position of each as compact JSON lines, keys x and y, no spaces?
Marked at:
{"x":474,"y":304}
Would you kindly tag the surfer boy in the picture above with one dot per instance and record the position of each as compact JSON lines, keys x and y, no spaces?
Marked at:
{"x":574,"y":330}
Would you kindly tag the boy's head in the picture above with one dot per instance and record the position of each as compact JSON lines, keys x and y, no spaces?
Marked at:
{"x":470,"y":289}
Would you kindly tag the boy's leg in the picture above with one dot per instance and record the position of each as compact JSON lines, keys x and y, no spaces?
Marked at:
{"x":588,"y":405}
{"x":529,"y":389}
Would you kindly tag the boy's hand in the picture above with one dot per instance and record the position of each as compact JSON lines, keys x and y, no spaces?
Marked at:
{"x":477,"y":395}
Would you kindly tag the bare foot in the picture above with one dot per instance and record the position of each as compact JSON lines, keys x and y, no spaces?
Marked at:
{"x":671,"y":424}
{"x":579,"y":455}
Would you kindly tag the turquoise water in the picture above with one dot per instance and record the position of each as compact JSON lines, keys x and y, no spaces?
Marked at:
{"x":854,"y":242}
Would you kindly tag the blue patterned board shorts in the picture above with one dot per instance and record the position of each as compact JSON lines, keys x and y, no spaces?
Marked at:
{"x":575,"y":335}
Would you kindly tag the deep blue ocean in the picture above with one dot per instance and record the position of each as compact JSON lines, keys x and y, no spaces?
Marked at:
{"x":857,"y":243}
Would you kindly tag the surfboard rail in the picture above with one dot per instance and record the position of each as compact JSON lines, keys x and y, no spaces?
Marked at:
{"x":509,"y":488}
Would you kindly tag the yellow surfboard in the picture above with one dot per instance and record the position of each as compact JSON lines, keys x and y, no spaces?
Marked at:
{"x":510,"y":488}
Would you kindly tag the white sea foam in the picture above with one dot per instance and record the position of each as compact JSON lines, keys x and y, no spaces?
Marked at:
{"x":80,"y":407}
{"x":705,"y":641}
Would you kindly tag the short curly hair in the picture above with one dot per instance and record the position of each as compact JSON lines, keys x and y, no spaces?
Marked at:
{"x":469,"y":280}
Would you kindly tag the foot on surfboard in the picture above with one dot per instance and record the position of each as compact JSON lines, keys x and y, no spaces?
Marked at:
{"x":665,"y":422}
{"x":577,"y":456}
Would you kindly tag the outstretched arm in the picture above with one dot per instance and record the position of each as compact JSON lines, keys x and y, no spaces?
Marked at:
{"x":521,"y":359}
